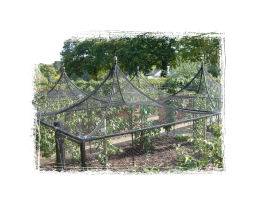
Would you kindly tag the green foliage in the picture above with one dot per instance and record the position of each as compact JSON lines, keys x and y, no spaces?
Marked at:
{"x":87,"y":86}
{"x":143,"y":140}
{"x":158,"y":82}
{"x":49,"y":72}
{"x":151,"y":170}
{"x":186,"y":162}
{"x":216,"y":130}
{"x":203,"y":153}
{"x":46,"y":141}
{"x":181,"y":138}
{"x":183,"y":73}
{"x":214,"y":70}
{"x":144,"y":50}
{"x":200,"y":48}
{"x":45,"y":76}
{"x":105,"y":149}
{"x":207,"y":152}
{"x":72,"y":150}
{"x":199,"y":128}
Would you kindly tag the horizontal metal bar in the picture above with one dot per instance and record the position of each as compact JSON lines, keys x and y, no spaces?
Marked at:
{"x":194,"y":111}
{"x":92,"y":138}
{"x":63,"y":133}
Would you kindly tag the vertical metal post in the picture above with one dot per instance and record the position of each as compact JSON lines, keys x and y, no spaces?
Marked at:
{"x":105,"y":152}
{"x":193,"y":128}
{"x":132,"y":136}
{"x":88,"y":124}
{"x":83,"y":155}
{"x":60,"y":153}
{"x":90,"y":147}
{"x":205,"y":119}
{"x":142,"y":138}
{"x":105,"y":146}
{"x":132,"y":144}
{"x":193,"y":122}
{"x":217,"y":118}
{"x":205,"y":123}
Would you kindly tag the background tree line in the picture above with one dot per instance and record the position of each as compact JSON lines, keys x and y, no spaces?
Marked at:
{"x":94,"y":56}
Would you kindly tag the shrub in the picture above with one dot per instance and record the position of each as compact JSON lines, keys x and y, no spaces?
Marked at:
{"x":105,"y":149}
{"x":183,"y":73}
{"x":158,"y":82}
{"x":45,"y":139}
{"x":203,"y":152}
{"x":181,"y":138}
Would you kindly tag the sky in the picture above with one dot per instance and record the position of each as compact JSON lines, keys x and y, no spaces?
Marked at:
{"x":43,"y":26}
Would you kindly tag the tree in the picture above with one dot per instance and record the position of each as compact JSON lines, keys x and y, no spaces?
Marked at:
{"x":200,"y":49}
{"x":145,"y":50}
{"x":49,"y":72}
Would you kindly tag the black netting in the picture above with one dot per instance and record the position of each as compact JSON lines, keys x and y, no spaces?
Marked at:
{"x":124,"y":108}
{"x":126,"y":116}
{"x":202,"y":93}
{"x":136,"y":151}
{"x":62,"y":94}
{"x":149,"y":89}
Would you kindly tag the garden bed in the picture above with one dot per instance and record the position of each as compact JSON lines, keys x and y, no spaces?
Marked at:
{"x":162,"y":157}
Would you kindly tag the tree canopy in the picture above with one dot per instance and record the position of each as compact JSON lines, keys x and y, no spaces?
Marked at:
{"x":94,"y":55}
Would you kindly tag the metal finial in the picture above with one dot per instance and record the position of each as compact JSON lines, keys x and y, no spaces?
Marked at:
{"x":62,"y":69}
{"x":203,"y":60}
{"x":138,"y":70}
{"x":115,"y":59}
{"x":202,"y":64}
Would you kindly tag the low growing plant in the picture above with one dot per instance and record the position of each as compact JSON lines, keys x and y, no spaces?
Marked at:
{"x":203,"y":153}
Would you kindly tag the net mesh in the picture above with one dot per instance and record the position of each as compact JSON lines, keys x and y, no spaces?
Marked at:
{"x":117,"y":107}
{"x":125,"y":153}
{"x":202,"y":93}
{"x":127,"y":123}
{"x":149,"y":89}
{"x":62,"y":94}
